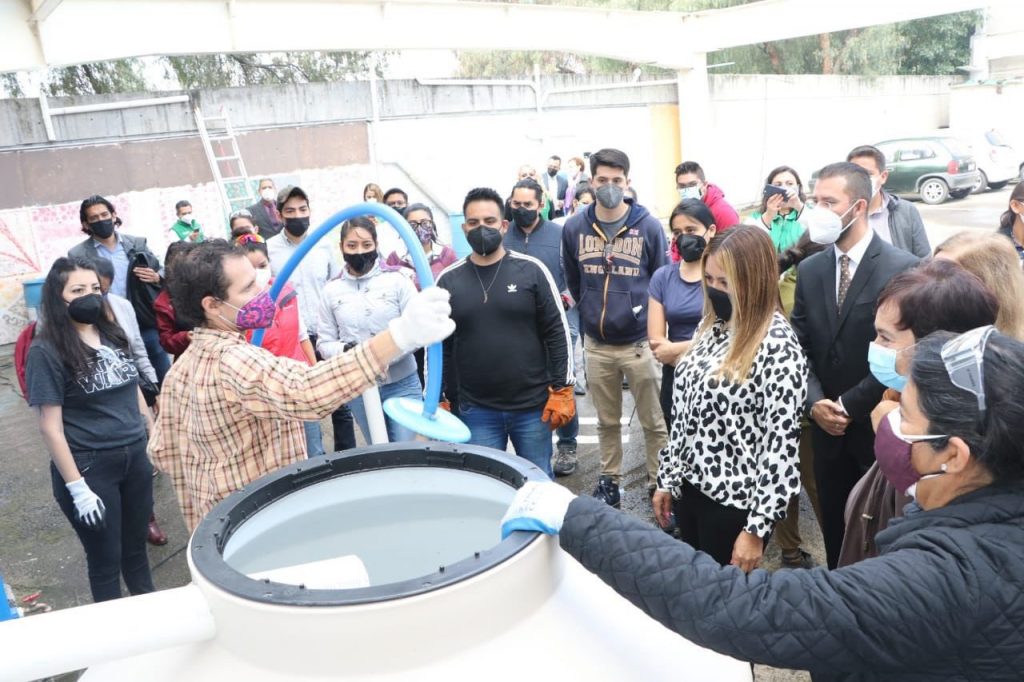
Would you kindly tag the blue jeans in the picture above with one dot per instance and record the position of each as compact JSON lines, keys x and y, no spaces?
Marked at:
{"x":314,"y":439}
{"x":409,"y":387}
{"x":158,"y":357}
{"x":530,"y":436}
{"x":567,"y":434}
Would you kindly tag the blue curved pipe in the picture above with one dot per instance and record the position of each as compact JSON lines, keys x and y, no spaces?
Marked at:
{"x":419,"y":261}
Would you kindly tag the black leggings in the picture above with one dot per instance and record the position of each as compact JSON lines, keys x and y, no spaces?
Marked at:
{"x":123,"y":478}
{"x":707,"y":525}
{"x":668,"y":375}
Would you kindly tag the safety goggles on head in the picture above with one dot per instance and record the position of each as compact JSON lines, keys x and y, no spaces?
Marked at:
{"x":240,"y":213}
{"x":964,"y":358}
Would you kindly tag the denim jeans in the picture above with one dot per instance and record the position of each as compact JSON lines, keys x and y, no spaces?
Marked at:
{"x":409,"y":387}
{"x":530,"y":436}
{"x":158,"y":357}
{"x":314,"y":439}
{"x":123,"y":479}
{"x":567,"y":434}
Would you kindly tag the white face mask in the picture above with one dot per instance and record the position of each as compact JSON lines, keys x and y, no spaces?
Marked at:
{"x":186,"y":218}
{"x":689,"y":192}
{"x":824,"y":226}
{"x":263,"y":278}
{"x":267,"y":194}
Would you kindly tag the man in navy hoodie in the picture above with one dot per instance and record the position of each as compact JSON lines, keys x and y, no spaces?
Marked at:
{"x":610,"y":251}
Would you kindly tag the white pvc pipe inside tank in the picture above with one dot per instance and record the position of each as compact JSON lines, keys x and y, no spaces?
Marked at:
{"x":375,"y":416}
{"x":71,"y":639}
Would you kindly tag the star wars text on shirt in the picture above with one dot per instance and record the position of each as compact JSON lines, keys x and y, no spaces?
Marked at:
{"x":109,"y":369}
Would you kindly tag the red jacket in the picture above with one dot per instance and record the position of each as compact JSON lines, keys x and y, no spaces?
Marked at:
{"x":173,"y":338}
{"x":725,"y":215}
{"x":282,"y":336}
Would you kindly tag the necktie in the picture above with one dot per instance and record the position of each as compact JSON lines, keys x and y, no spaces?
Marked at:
{"x":275,"y":216}
{"x":844,"y":278}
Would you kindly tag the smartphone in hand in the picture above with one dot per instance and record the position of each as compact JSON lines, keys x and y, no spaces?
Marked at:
{"x":770,"y":190}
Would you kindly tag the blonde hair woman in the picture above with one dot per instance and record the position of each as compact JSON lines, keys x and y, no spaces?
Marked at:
{"x":732,"y":463}
{"x":992,"y":258}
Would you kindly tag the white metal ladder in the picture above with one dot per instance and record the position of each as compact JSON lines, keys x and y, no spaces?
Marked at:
{"x":225,"y":158}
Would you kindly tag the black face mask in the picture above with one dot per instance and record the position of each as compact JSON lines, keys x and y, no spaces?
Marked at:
{"x":524,"y":217}
{"x":102,"y":229}
{"x":484,"y":240}
{"x":360,"y":263}
{"x":691,"y":247}
{"x":86,"y":309}
{"x":296,"y":226}
{"x":720,"y":303}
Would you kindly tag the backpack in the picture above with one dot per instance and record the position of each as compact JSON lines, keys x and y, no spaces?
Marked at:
{"x":21,"y":347}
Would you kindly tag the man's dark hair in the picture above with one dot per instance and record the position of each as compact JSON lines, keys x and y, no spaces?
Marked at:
{"x":867,"y":151}
{"x":940,"y":295}
{"x":993,"y":438}
{"x":89,"y":203}
{"x":556,"y":157}
{"x":585,"y":188}
{"x":693,"y":208}
{"x":251,"y":246}
{"x":289,"y":192}
{"x":182,"y":204}
{"x":197,"y":274}
{"x":858,"y":182}
{"x":484,"y":194}
{"x":530,"y":183}
{"x":104,"y":268}
{"x":395,"y":190}
{"x":612,"y":158}
{"x":687,"y":167}
{"x":175,"y":251}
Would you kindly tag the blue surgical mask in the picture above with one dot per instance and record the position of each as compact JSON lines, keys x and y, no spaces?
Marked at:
{"x":882,"y":362}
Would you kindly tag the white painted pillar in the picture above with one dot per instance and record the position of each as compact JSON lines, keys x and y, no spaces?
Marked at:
{"x":695,"y":120}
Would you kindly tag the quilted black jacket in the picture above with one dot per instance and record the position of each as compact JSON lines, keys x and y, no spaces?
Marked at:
{"x":943,"y":601}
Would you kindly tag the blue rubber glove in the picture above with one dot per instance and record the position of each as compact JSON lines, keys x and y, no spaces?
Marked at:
{"x":537,"y":508}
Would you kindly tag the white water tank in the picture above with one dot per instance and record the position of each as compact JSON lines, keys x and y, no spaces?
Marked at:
{"x":386,"y":563}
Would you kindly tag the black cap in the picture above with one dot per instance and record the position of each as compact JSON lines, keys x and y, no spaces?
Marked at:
{"x":287,"y":193}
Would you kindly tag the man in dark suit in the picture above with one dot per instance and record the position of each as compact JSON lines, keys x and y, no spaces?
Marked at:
{"x":834,"y":318}
{"x":556,"y":185}
{"x":264,"y":212}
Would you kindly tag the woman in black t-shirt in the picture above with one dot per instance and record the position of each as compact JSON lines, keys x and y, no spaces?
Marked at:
{"x":94,"y":421}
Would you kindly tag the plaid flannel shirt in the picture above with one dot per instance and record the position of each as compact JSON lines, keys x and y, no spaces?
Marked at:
{"x":231,"y":412}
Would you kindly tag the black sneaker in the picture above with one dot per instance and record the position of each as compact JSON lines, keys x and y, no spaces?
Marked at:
{"x":607,"y":491}
{"x":799,"y":560}
{"x":565,"y":460}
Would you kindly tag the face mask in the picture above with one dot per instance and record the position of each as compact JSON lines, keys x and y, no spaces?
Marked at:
{"x":552,"y":172}
{"x":256,"y":314}
{"x":86,"y":309}
{"x":524,"y":217}
{"x":267,"y":194}
{"x":896,"y":424}
{"x":187,"y":218}
{"x":893,"y":454}
{"x":263,"y":278}
{"x":360,"y":263}
{"x":824,"y":226}
{"x":720,"y":303}
{"x":424,"y":234}
{"x":610,"y":196}
{"x":296,"y":226}
{"x":691,"y":247}
{"x":689,"y":192}
{"x":371,"y":200}
{"x":101,"y":229}
{"x":484,"y":240}
{"x":882,"y":362}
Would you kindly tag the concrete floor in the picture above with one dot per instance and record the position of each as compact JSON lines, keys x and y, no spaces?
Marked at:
{"x":39,"y":552}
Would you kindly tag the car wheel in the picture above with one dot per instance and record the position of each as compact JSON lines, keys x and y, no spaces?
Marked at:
{"x":959,"y":193}
{"x":998,"y":185}
{"x":980,"y":185}
{"x":934,"y":191}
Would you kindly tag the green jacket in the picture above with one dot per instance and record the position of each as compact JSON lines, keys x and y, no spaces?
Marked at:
{"x":183,"y":230}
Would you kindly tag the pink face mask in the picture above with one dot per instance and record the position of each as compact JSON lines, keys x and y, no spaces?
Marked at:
{"x":893,"y":454}
{"x":256,"y":314}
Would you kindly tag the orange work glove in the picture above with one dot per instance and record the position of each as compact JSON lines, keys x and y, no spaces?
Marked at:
{"x":560,"y":407}
{"x":445,"y":405}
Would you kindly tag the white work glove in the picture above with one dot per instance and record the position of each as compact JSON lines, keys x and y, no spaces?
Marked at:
{"x":90,"y":508}
{"x":425,"y":320}
{"x":538,"y":508}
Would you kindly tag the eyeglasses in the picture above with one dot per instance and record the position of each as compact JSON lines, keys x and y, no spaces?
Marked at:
{"x":425,"y":223}
{"x":964,"y":358}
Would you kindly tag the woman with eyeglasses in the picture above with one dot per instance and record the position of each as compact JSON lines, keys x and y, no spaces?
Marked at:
{"x":359,"y":305}
{"x":940,"y":295}
{"x":676,"y":303}
{"x":941,"y":601}
{"x":95,"y":424}
{"x":421,"y":220}
{"x":730,"y":467}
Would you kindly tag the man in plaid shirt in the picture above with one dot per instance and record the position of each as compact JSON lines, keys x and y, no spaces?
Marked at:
{"x":231,"y":412}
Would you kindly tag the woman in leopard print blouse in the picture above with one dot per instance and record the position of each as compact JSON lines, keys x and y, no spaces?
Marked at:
{"x":731,"y":465}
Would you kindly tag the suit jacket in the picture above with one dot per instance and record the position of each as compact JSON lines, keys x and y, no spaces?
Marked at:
{"x":87,"y":250}
{"x":836,"y":340}
{"x":264,"y":222}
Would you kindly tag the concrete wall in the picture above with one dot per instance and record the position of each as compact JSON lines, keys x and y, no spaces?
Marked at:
{"x":436,"y":142}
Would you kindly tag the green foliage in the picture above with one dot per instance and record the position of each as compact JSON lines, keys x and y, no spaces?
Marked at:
{"x":239,"y":70}
{"x":100,"y":78}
